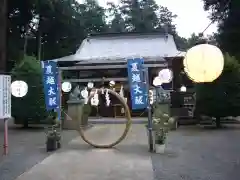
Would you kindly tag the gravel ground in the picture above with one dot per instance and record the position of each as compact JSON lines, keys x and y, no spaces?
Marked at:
{"x":200,"y":154}
{"x":26,"y":148}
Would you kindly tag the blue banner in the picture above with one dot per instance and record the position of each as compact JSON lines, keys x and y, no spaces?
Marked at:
{"x":137,"y":83}
{"x":50,"y":82}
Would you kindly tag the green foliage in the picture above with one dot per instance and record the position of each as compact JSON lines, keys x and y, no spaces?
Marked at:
{"x":226,"y":13}
{"x":63,"y":24}
{"x":161,"y":123}
{"x":221,"y":98}
{"x":30,"y":108}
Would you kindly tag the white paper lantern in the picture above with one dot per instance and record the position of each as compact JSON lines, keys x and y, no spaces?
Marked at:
{"x":90,"y":85}
{"x":66,"y":86}
{"x":111,"y":83}
{"x":157,"y":81}
{"x":203,"y":63}
{"x":165,"y":75}
{"x":183,"y":89}
{"x":19,"y":88}
{"x":84,"y":93}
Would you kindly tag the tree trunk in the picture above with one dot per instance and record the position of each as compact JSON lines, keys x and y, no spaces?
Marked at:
{"x":3,"y":34}
{"x":218,"y":122}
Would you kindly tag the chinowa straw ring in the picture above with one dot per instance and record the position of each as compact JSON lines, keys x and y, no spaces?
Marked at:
{"x":127,"y":115}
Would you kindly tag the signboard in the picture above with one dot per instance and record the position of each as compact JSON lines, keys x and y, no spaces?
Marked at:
{"x":137,"y":83}
{"x":188,"y":99}
{"x":5,"y":96}
{"x":163,"y":96}
{"x":50,"y":82}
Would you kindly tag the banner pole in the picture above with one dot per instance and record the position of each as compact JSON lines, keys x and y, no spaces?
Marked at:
{"x":149,"y":108}
{"x":60,"y":98}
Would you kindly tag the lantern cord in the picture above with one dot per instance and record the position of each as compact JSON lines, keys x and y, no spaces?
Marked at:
{"x":213,"y":21}
{"x":221,"y":16}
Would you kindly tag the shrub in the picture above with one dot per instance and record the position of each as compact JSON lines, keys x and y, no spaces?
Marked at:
{"x":30,"y":108}
{"x":220,"y":98}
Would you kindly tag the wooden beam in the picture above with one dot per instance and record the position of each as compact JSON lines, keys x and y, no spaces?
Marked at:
{"x":95,"y":80}
{"x":106,"y":67}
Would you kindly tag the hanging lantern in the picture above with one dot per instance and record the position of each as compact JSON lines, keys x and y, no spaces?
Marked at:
{"x":183,"y":89}
{"x":66,"y":86}
{"x":165,"y":75}
{"x":19,"y":88}
{"x":112,"y":83}
{"x":203,"y":63}
{"x":157,"y":81}
{"x":84,"y":94}
{"x":90,"y":85}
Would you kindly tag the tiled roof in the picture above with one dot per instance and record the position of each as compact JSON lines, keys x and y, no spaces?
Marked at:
{"x":118,"y":48}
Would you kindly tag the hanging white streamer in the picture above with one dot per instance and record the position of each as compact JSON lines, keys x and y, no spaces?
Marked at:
{"x":121,"y":93}
{"x":95,"y":100}
{"x":107,"y":98}
{"x":85,"y":94}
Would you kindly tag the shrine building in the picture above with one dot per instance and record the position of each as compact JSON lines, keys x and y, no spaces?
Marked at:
{"x":102,"y":58}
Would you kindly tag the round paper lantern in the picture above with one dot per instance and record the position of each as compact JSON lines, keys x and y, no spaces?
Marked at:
{"x":66,"y":86}
{"x":90,"y":85}
{"x":165,"y":75}
{"x":183,"y":89}
{"x":157,"y":81}
{"x":19,"y":88}
{"x":84,"y":93}
{"x":203,"y":63}
{"x":112,"y":83}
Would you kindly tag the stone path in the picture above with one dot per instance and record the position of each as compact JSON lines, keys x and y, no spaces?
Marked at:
{"x":26,"y":149}
{"x":193,"y":153}
{"x":128,"y":161}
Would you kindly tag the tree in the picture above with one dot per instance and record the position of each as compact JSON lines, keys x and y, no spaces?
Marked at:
{"x":141,"y":16}
{"x":221,"y":98}
{"x":50,"y":28}
{"x":117,"y":23}
{"x":30,"y":108}
{"x":3,"y":30}
{"x":226,"y":12}
{"x":20,"y":14}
